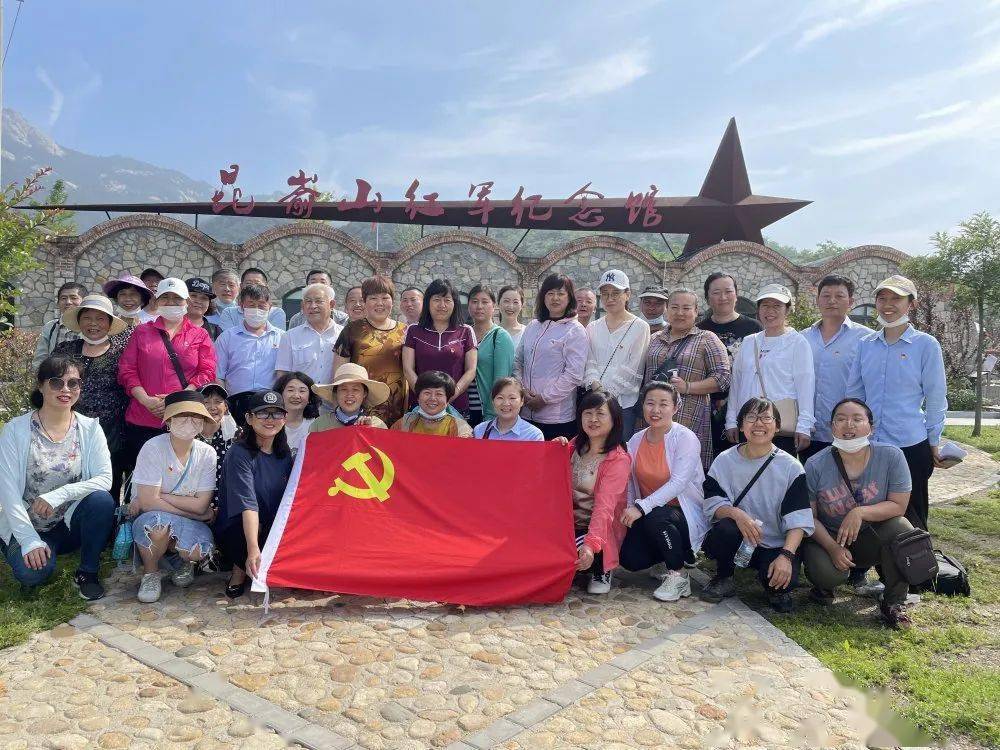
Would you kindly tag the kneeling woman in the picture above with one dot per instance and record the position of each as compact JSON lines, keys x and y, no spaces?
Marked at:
{"x":254,"y":476}
{"x":664,"y":517}
{"x":435,"y":390}
{"x":506,"y":424}
{"x":756,"y":493}
{"x":55,"y":473}
{"x":352,"y":394}
{"x":600,"y":469}
{"x":859,"y":492}
{"x":172,"y":488}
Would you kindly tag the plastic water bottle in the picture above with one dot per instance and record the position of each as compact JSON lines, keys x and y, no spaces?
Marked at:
{"x":122,"y":549}
{"x":745,"y":552}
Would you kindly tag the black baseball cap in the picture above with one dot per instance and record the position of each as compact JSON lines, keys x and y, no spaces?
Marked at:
{"x":260,"y":400}
{"x":216,"y":389}
{"x":200,"y":286}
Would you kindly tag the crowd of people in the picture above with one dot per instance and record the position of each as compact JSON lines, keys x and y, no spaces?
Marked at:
{"x":183,"y":405}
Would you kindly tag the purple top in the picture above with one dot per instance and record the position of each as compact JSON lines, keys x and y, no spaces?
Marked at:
{"x":443,"y":351}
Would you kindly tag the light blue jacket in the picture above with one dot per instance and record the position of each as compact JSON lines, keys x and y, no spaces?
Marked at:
{"x":15,"y":440}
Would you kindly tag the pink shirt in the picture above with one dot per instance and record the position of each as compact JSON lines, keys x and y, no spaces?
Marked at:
{"x":145,"y":362}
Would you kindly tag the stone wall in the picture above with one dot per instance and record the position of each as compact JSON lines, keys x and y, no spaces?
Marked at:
{"x":286,"y":253}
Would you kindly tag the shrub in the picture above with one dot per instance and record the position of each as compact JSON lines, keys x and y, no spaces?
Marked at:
{"x":961,"y":399}
{"x":17,"y":376}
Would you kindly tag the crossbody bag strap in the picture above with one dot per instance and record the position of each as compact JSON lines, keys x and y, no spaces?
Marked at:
{"x":183,"y":476}
{"x":173,"y":358}
{"x":753,"y":481}
{"x":756,"y":356}
{"x":616,"y":347}
{"x":843,"y":474}
{"x":489,"y":429}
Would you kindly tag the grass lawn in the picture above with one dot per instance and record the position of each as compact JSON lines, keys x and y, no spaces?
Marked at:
{"x":56,"y":602}
{"x":988,"y":441}
{"x":944,"y":674}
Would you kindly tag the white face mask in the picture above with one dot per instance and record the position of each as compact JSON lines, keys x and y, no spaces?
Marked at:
{"x":185,"y":428}
{"x":173,"y":313}
{"x":894,"y":324}
{"x":657,"y":321}
{"x":851,"y":446}
{"x":94,"y":342}
{"x":254,"y":317}
{"x":123,"y":313}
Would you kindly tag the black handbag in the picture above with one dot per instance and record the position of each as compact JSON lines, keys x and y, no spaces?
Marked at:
{"x":951,"y":580}
{"x":914,"y":554}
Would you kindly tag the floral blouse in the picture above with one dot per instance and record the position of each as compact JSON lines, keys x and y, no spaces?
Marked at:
{"x":51,"y":465}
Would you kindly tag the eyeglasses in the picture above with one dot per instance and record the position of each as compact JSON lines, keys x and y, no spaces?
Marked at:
{"x":855,"y":421}
{"x":57,"y":384}
{"x":270,"y":415}
{"x":761,"y":418}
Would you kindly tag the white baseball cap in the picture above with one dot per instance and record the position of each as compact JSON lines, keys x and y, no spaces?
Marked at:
{"x":774,"y":291}
{"x":171,"y":284}
{"x":615,"y":278}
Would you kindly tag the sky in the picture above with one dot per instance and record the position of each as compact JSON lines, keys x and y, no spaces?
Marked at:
{"x":885,"y":113}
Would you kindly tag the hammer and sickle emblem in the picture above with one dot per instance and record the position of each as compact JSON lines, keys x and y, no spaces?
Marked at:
{"x":374,"y":487}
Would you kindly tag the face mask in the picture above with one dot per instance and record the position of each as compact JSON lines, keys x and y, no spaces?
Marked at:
{"x":432,"y":418}
{"x":895,"y":324}
{"x":254,"y":317}
{"x":123,"y":313}
{"x":94,"y":342}
{"x":185,"y":429}
{"x":851,"y":446}
{"x":657,"y":321}
{"x":173,"y":313}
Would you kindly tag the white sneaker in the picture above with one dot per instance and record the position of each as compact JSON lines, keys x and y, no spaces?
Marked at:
{"x":675,"y":585}
{"x":150,"y":588}
{"x":658,"y":571}
{"x":911,"y":599}
{"x":872,"y":589}
{"x":600,"y":583}
{"x":183,"y":576}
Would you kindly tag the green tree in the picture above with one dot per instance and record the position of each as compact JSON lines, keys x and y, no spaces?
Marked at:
{"x":804,"y":313}
{"x":61,"y":222}
{"x":970,"y":260}
{"x":21,"y":232}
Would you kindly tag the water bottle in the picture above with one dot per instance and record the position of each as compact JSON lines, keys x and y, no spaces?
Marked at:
{"x":122,"y":550}
{"x":745,"y":552}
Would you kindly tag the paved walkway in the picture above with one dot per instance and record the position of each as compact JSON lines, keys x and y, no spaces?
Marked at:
{"x":325,"y":671}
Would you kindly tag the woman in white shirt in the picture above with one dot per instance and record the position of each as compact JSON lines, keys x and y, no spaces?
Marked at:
{"x":301,"y":404}
{"x":172,"y":488}
{"x":776,"y":364}
{"x":618,"y":342}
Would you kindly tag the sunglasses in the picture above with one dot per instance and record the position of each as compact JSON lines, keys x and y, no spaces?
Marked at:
{"x":57,"y":384}
{"x":270,"y":415}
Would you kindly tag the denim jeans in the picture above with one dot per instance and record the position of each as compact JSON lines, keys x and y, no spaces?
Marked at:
{"x":88,"y":531}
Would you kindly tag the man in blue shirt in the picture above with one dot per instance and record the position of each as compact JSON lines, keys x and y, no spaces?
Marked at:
{"x":834,"y":341}
{"x":246,"y":354}
{"x":232,"y":317}
{"x":899,"y":373}
{"x":225,"y":287}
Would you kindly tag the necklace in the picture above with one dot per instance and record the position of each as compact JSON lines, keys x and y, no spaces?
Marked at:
{"x":38,"y":416}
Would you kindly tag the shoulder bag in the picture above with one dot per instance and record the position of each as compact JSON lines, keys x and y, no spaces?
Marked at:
{"x":178,"y":370}
{"x":788,"y":408}
{"x":754,"y":479}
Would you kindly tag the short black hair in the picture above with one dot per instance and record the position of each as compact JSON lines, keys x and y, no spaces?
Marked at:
{"x":255,"y":291}
{"x":435,"y":379}
{"x":500,"y":383}
{"x":312,"y":408}
{"x":658,"y":385}
{"x":151,"y":272}
{"x":440,"y":286}
{"x":757,"y":405}
{"x":412,"y":289}
{"x":72,"y":286}
{"x":316,"y":271}
{"x":482,"y":288}
{"x":253,"y":269}
{"x":833,"y":279}
{"x":54,"y":366}
{"x":595,"y":400}
{"x":715,"y":276}
{"x":555,"y":281}
{"x":859,"y":402}
{"x":248,"y":438}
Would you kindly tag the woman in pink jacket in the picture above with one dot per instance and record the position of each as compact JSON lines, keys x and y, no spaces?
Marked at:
{"x":550,"y":359}
{"x":601,"y":468}
{"x":147,"y":371}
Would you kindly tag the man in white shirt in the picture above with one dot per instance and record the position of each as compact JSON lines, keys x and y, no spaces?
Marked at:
{"x":308,"y":348}
{"x":586,"y":306}
{"x":411,"y":302}
{"x":318,"y":276}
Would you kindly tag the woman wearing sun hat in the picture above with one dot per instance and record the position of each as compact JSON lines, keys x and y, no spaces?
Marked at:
{"x":172,"y":488}
{"x":103,"y":337}
{"x":130,"y":296}
{"x":351,"y":394}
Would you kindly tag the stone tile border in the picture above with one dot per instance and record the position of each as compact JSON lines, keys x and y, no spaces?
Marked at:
{"x":569,"y":692}
{"x":291,"y":727}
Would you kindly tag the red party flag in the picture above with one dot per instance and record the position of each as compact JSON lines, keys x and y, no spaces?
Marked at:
{"x":393,"y":514}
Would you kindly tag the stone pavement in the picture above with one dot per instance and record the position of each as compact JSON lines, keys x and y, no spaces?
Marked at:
{"x":977,"y":471}
{"x":327,"y":671}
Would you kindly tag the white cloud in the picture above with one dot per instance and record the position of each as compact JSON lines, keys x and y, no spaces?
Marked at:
{"x":751,"y":54}
{"x":56,"y":105}
{"x":944,"y":111}
{"x":850,"y":15}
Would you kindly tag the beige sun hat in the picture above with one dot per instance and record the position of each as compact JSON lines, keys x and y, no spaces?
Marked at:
{"x":71,"y":318}
{"x":351,"y":373}
{"x":898,"y":284}
{"x":190,"y":403}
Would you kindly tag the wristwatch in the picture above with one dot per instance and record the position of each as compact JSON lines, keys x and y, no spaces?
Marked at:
{"x":787,"y":553}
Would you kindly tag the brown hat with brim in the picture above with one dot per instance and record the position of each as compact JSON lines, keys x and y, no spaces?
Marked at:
{"x":185,"y":402}
{"x":349,"y":372}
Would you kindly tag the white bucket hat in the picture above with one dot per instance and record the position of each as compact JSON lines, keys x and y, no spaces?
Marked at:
{"x":71,"y":318}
